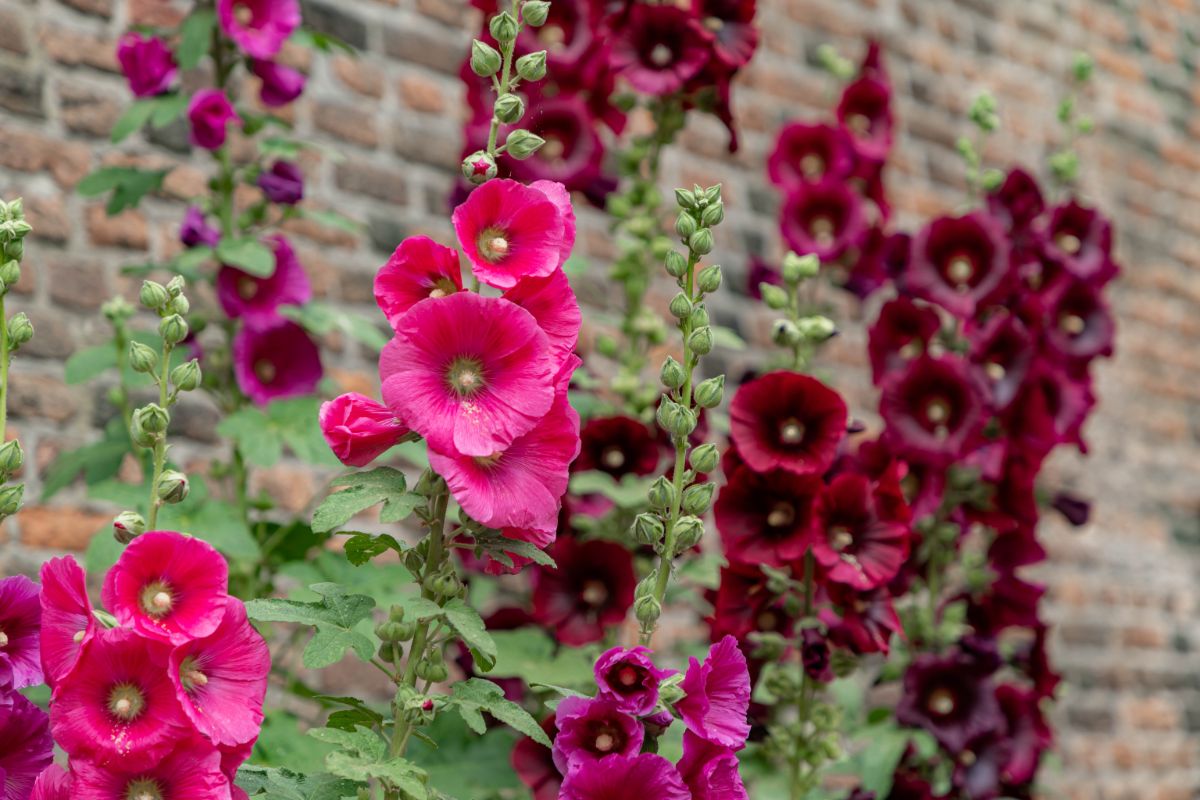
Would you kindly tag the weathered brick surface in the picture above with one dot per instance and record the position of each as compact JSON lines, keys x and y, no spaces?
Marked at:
{"x":1123,"y":592}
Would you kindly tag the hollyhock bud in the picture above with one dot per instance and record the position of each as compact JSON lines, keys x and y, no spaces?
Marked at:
{"x":196,"y":231}
{"x":186,"y":377}
{"x":647,"y":610}
{"x":503,"y":27}
{"x":127,"y":526}
{"x":173,"y":329}
{"x":532,"y":67}
{"x":697,"y":499}
{"x":279,"y":85}
{"x":535,"y":12}
{"x":152,"y":418}
{"x":148,"y":64}
{"x":674,"y":418}
{"x":10,"y":273}
{"x":11,"y":457}
{"x":698,"y":317}
{"x":142,"y":357}
{"x":709,"y":392}
{"x":797,"y":268}
{"x":705,"y":458}
{"x":153,"y":295}
{"x":685,"y":225}
{"x":662,"y":493}
{"x":283,"y":183}
{"x":689,"y":531}
{"x":816,"y":328}
{"x":14,"y":249}
{"x":358,"y":429}
{"x":672,"y":375}
{"x":521,"y":144}
{"x":209,"y":115}
{"x":647,"y":530}
{"x":10,"y":499}
{"x":259,"y":27}
{"x":485,"y":59}
{"x":179,"y":305}
{"x":175,"y":286}
{"x":681,"y":306}
{"x":712,"y":215}
{"x":785,"y":333}
{"x":509,"y":108}
{"x":479,"y":167}
{"x":701,"y":340}
{"x":172,"y":487}
{"x":676,"y":265}
{"x":709,"y":279}
{"x":20,"y":330}
{"x":775,"y":297}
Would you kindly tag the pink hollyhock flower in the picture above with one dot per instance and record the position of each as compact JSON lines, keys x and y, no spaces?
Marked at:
{"x":468,"y":389}
{"x":25,"y":747}
{"x":256,"y":300}
{"x":591,"y":589}
{"x":717,"y":695}
{"x":534,"y":764}
{"x":283,"y":183}
{"x":279,"y":85}
{"x":20,"y":627}
{"x":710,"y":770}
{"x":784,"y":420}
{"x":552,"y":302}
{"x":766,"y":517}
{"x":621,"y":777}
{"x":807,"y":153}
{"x":259,"y":27}
{"x":192,"y":772}
{"x":168,"y":586}
{"x":148,"y":64}
{"x":862,"y":537}
{"x":823,"y":218}
{"x":659,"y":48}
{"x":118,"y":705}
{"x":275,"y":360}
{"x":629,"y":678}
{"x":865,"y":110}
{"x":67,"y":621}
{"x":358,"y":429}
{"x":209,"y":115}
{"x":233,"y":757}
{"x":420,"y":268}
{"x":221,"y":680}
{"x":510,"y":231}
{"x":54,"y":783}
{"x":960,"y":263}
{"x":933,"y":409}
{"x":196,"y":231}
{"x":591,"y":729}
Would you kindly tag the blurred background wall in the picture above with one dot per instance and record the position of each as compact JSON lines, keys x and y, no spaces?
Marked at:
{"x":1122,"y":590}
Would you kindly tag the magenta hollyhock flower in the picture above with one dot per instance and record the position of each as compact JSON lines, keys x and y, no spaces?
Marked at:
{"x":419,"y":268}
{"x":232,"y":759}
{"x":960,"y":263}
{"x":259,"y":27}
{"x":591,"y":589}
{"x":659,"y":48}
{"x":534,"y":764}
{"x":54,"y":783}
{"x":20,"y":629}
{"x":730,"y":24}
{"x":148,"y":64}
{"x":865,"y":622}
{"x":275,"y":360}
{"x":824,"y":218}
{"x":1080,"y":325}
{"x":552,"y":302}
{"x":710,"y":770}
{"x":191,"y":772}
{"x":862,"y":535}
{"x":279,"y":85}
{"x":766,"y":517}
{"x":808,"y":152}
{"x":952,"y":697}
{"x":1079,"y":239}
{"x":717,"y":695}
{"x":1003,"y":349}
{"x":902,"y":332}
{"x":630,"y":679}
{"x":933,"y":409}
{"x":26,"y":747}
{"x":510,"y":231}
{"x":359,"y":429}
{"x":865,"y":110}
{"x":67,"y":621}
{"x":221,"y":680}
{"x":196,"y":231}
{"x":168,"y":586}
{"x":785,"y":420}
{"x":618,"y":446}
{"x":759,"y":272}
{"x":209,"y":115}
{"x":1018,"y":201}
{"x":118,"y":705}
{"x":646,"y":775}
{"x":283,"y":183}
{"x":468,"y":389}
{"x":591,"y":729}
{"x":256,"y":300}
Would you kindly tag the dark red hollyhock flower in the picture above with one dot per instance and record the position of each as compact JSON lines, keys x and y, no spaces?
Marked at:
{"x":908,"y":785}
{"x":1002,"y":348}
{"x":573,"y":153}
{"x":1008,"y":602}
{"x":1080,"y":240}
{"x":808,"y":153}
{"x":862,"y":622}
{"x":1050,"y":409}
{"x":785,"y":420}
{"x":766,"y":517}
{"x":569,"y":37}
{"x":1074,"y":509}
{"x":730,"y":24}
{"x":592,"y":588}
{"x":952,"y":697}
{"x":659,"y":48}
{"x":824,"y":218}
{"x":883,"y":258}
{"x":902,"y":332}
{"x":618,"y":446}
{"x":742,"y":605}
{"x":861,"y":537}
{"x":1031,"y":660}
{"x":815,"y":655}
{"x":960,"y":263}
{"x":933,"y":409}
{"x":1005,"y":762}
{"x":758,"y":273}
{"x":865,"y":110}
{"x":534,"y":764}
{"x":1079,"y":324}
{"x":1017,"y":202}
{"x":711,"y":91}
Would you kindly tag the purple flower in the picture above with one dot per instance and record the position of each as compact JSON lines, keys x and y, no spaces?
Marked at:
{"x":210,"y":113}
{"x":718,"y":695}
{"x":280,"y":85}
{"x":25,"y":747}
{"x":710,"y":770}
{"x":20,"y":627}
{"x":196,"y":231}
{"x":256,"y":300}
{"x":629,"y":678}
{"x":148,"y":64}
{"x":621,"y":777}
{"x":593,"y":729}
{"x":952,"y":697}
{"x":259,"y":27}
{"x":283,"y":183}
{"x":275,"y":360}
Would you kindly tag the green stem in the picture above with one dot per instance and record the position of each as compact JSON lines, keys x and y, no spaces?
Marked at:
{"x":160,"y":444}
{"x":799,"y":784}
{"x":506,"y":50}
{"x":5,"y":357}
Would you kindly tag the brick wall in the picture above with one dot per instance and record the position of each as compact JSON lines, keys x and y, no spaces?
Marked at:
{"x":1122,"y":591}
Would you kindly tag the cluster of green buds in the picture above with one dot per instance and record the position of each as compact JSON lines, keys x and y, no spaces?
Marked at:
{"x":14,"y":332}
{"x":674,"y":525}
{"x":1064,"y":162}
{"x":808,"y":743}
{"x":835,"y":63}
{"x":148,"y":424}
{"x":984,"y":116}
{"x":506,"y":75}
{"x":799,"y":331}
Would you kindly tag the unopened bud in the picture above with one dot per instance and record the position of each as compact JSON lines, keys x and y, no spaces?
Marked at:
{"x":685,"y":225}
{"x":14,"y":249}
{"x":689,"y":531}
{"x":390,"y":652}
{"x":701,"y":242}
{"x":674,"y":418}
{"x":10,"y":499}
{"x":503,"y":27}
{"x":153,"y":295}
{"x":153,"y":418}
{"x":20,"y":330}
{"x":508,"y":108}
{"x":681,"y":306}
{"x":662,"y":493}
{"x":648,"y":610}
{"x":11,"y":457}
{"x":173,"y":329}
{"x":768,"y":645}
{"x":172,"y":486}
{"x":773,"y":296}
{"x":785,"y":333}
{"x":701,"y":340}
{"x":647,"y":529}
{"x":709,"y":393}
{"x":676,"y":264}
{"x":389,"y":632}
{"x":672,"y":374}
{"x":698,"y":498}
{"x":432,"y":671}
{"x":479,"y":167}
{"x":10,"y":273}
{"x":817,"y":328}
{"x":532,"y":67}
{"x":142,"y":357}
{"x":521,"y":144}
{"x":704,"y":459}
{"x":127,"y":526}
{"x":176,"y":285}
{"x":117,"y":309}
{"x":709,"y":279}
{"x":186,"y":377}
{"x":699,"y":317}
{"x":179,"y":305}
{"x":535,"y":12}
{"x":485,"y":59}
{"x":797,"y":268}
{"x":712,"y":215}
{"x":686,"y":199}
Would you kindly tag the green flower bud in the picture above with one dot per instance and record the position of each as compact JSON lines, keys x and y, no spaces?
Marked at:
{"x":709,"y":279}
{"x":172,"y":486}
{"x":686,"y":200}
{"x":509,"y":108}
{"x":1082,"y":67}
{"x":661,"y":247}
{"x":699,"y":317}
{"x":173,"y":329}
{"x":701,"y":242}
{"x":705,"y":458}
{"x":662,"y":493}
{"x":712,"y":215}
{"x":785,"y":333}
{"x":647,"y":610}
{"x":607,"y":346}
{"x":14,"y":250}
{"x":521,"y":144}
{"x":20,"y":330}
{"x":117,"y":309}
{"x":674,"y":418}
{"x":798,"y":268}
{"x":672,"y":374}
{"x":535,"y":12}
{"x":709,"y":393}
{"x":685,"y":225}
{"x":816,"y":328}
{"x":532,"y":67}
{"x":176,"y":285}
{"x":768,"y":645}
{"x":396,"y":614}
{"x":11,"y":457}
{"x":141,"y":436}
{"x":406,"y":631}
{"x":689,"y":531}
{"x":647,"y":530}
{"x":503,"y":27}
{"x":142,"y":357}
{"x":10,"y":273}
{"x":698,"y":498}
{"x":447,"y":584}
{"x":389,"y":631}
{"x":186,"y":377}
{"x":773,"y":296}
{"x":127,"y":526}
{"x":432,"y":671}
{"x":479,"y":167}
{"x":485,"y":59}
{"x":676,"y":264}
{"x":390,"y":652}
{"x":680,"y":306}
{"x":10,"y":499}
{"x":153,"y":418}
{"x":179,"y":305}
{"x":701,"y":341}
{"x":712,"y":194}
{"x":991,"y":179}
{"x":153,"y":295}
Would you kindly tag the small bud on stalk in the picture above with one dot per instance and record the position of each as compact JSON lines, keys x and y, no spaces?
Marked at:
{"x":535,"y":12}
{"x":172,"y":486}
{"x":20,"y":330}
{"x":532,"y":67}
{"x":485,"y":59}
{"x":706,"y":457}
{"x":142,"y":357}
{"x":186,"y":377}
{"x":127,"y":526}
{"x":11,"y":457}
{"x":153,"y":295}
{"x":647,"y":530}
{"x":173,"y":329}
{"x":10,"y":499}
{"x":503,"y":27}
{"x":521,"y":144}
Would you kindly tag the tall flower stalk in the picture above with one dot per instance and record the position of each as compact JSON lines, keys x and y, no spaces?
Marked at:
{"x":14,"y":332}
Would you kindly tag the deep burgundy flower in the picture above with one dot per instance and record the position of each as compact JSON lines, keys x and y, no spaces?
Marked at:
{"x":630,"y":679}
{"x":1074,"y":509}
{"x":275,"y":361}
{"x":730,"y":24}
{"x":20,"y":629}
{"x":1080,"y":240}
{"x":864,"y":622}
{"x":279,"y":85}
{"x":659,"y":48}
{"x":861,"y":537}
{"x":1079,"y":324}
{"x":196,"y":231}
{"x":1028,"y":733}
{"x":1002,"y":348}
{"x":256,"y":300}
{"x":570,"y":38}
{"x":593,"y":729}
{"x":592,"y":588}
{"x":1007,"y":602}
{"x":210,"y":114}
{"x":865,"y":110}
{"x":283,"y":183}
{"x":619,"y":446}
{"x":1031,"y":658}
{"x":534,"y":764}
{"x":148,"y":64}
{"x":742,"y":604}
{"x":933,"y":409}
{"x":960,"y":263}
{"x":766,"y":518}
{"x":808,"y":153}
{"x":815,"y":655}
{"x":952,"y":697}
{"x":785,"y":420}
{"x":902,"y":332}
{"x":882,"y":258}
{"x":1018,"y":201}
{"x":573,"y":154}
{"x":1049,"y":409}
{"x":824,"y":218}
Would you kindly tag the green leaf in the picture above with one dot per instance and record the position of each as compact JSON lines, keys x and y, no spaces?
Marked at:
{"x":97,"y":461}
{"x":469,"y":626}
{"x":317,"y":40}
{"x":168,"y":108}
{"x":286,"y":784}
{"x":630,"y":493}
{"x":879,"y":760}
{"x":247,"y":254}
{"x":464,"y":764}
{"x":531,"y":654}
{"x":329,"y":645}
{"x":195,"y":35}
{"x":418,"y":608}
{"x":362,"y":547}
{"x":127,"y":184}
{"x":295,"y":419}
{"x":474,"y":695}
{"x":335,"y":618}
{"x":727,"y":338}
{"x":133,"y":119}
{"x":85,"y":364}
{"x":103,"y":180}
{"x":382,"y":484}
{"x":258,"y":441}
{"x":332,"y":219}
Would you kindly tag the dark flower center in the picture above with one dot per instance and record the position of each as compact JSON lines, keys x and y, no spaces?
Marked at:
{"x":941,"y":702}
{"x":126,"y":702}
{"x":465,"y":376}
{"x":594,"y":593}
{"x":627,"y":678}
{"x":191,"y":676}
{"x":1069,"y":243}
{"x":781,"y":515}
{"x":157,"y":598}
{"x":493,"y":244}
{"x":605,"y":737}
{"x":247,"y":287}
{"x":265,"y":371}
{"x":143,"y":789}
{"x":791,"y":431}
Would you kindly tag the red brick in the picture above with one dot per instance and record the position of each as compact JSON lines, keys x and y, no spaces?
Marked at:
{"x":60,"y":528}
{"x":358,"y":75}
{"x":127,"y":229}
{"x":352,"y":124}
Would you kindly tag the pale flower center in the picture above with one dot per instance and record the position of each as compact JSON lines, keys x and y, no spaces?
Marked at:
{"x":605,"y":742}
{"x":613,"y":458}
{"x":143,"y":789}
{"x":627,"y":676}
{"x":265,"y":370}
{"x":781,"y":515}
{"x":791,"y":431}
{"x":714,"y":24}
{"x":191,"y":676}
{"x":840,"y":537}
{"x":960,"y":270}
{"x":494,"y":244}
{"x":594,"y":593}
{"x":552,"y":36}
{"x":247,"y":287}
{"x":243,"y":15}
{"x":822,"y":229}
{"x":465,"y":376}
{"x":3,"y":639}
{"x":78,"y":637}
{"x":812,"y":165}
{"x":157,"y":598}
{"x":499,"y":245}
{"x":489,"y":461}
{"x":941,"y":702}
{"x":1072,"y":324}
{"x":859,"y":123}
{"x":937,"y":411}
{"x":126,"y":702}
{"x":1069,"y":243}
{"x":661,"y":55}
{"x":995,"y":370}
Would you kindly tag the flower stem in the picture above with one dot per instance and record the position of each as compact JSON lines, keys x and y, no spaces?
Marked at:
{"x":5,"y":358}
{"x":506,"y":51}
{"x":160,"y":444}
{"x":799,"y":783}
